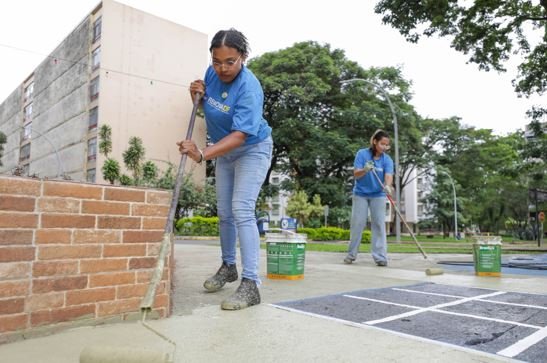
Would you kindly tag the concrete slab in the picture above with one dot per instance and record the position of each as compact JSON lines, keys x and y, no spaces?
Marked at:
{"x":204,"y":333}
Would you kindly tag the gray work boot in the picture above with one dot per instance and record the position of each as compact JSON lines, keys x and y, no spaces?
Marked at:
{"x":348,"y":260}
{"x":226,"y":273}
{"x":246,"y":295}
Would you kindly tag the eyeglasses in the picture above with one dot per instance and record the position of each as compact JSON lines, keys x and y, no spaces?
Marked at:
{"x":228,"y":63}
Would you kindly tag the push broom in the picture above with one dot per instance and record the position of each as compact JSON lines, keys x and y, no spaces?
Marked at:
{"x":114,"y":354}
{"x":428,"y":271}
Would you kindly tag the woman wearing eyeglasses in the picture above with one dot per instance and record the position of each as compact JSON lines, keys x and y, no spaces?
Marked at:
{"x":368,"y":195}
{"x":242,"y":146}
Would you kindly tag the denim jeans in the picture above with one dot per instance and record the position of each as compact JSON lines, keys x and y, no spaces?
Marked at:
{"x":359,"y":216}
{"x":239,"y":177}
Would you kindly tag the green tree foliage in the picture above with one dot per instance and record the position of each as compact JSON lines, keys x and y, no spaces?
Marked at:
{"x":197,"y":198}
{"x":318,"y":125}
{"x":3,"y":140}
{"x":300,"y":208}
{"x":105,"y":137}
{"x":111,"y":170}
{"x":150,"y":173}
{"x":490,"y":32}
{"x":133,"y":157}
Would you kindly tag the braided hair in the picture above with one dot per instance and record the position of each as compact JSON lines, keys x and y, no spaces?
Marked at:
{"x":231,"y":38}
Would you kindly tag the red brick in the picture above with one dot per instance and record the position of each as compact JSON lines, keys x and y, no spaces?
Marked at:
{"x":161,"y":301}
{"x":16,"y":254}
{"x":124,"y":250}
{"x":111,"y":279}
{"x":12,"y":306}
{"x":143,"y":262}
{"x":142,"y":236}
{"x":128,"y":291}
{"x":119,"y":222}
{"x":59,"y":284}
{"x":90,"y":296}
{"x":118,"y":307}
{"x":14,"y":271}
{"x":15,"y":237}
{"x":19,"y":186}
{"x":74,"y":190}
{"x":159,"y":197}
{"x":124,"y":195}
{"x":14,"y":288}
{"x":97,"y":207}
{"x":59,"y":315}
{"x":13,"y":322}
{"x":68,"y":252}
{"x":96,"y":236}
{"x":103,"y":265}
{"x":154,"y":223}
{"x":153,"y":249}
{"x":20,"y":204}
{"x":67,"y":221}
{"x":38,"y":302}
{"x":18,"y":220}
{"x":59,"y":205}
{"x":53,"y":236}
{"x":149,"y":210}
{"x":55,"y":268}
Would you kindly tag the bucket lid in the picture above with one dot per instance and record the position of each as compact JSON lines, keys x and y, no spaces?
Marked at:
{"x":487,"y":240}
{"x":290,"y":237}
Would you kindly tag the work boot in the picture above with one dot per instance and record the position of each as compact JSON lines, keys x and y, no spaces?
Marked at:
{"x":226,"y":273}
{"x":348,"y":260}
{"x":246,"y":295}
{"x":381,"y":263}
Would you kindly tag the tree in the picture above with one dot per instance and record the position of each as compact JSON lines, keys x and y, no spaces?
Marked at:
{"x":300,"y":208}
{"x":3,"y":140}
{"x":133,"y":158}
{"x":490,"y":32}
{"x":111,"y":167}
{"x":318,"y":125}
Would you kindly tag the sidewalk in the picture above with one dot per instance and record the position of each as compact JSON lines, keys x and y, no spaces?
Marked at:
{"x":205,"y":333}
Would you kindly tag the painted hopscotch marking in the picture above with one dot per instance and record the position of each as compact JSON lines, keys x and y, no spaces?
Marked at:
{"x":511,"y":351}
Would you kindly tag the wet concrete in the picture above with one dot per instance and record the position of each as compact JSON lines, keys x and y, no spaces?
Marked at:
{"x":205,"y":333}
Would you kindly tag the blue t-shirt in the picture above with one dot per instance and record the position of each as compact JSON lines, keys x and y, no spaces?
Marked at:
{"x":235,"y":106}
{"x":368,"y":186}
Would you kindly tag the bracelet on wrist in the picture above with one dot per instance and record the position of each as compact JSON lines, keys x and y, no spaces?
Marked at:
{"x":201,"y":157}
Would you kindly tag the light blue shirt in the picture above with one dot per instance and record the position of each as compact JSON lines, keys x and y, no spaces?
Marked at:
{"x":235,"y":106}
{"x":368,"y":185}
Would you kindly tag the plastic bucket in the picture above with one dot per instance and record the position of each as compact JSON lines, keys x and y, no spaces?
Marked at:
{"x":285,"y":255}
{"x":487,"y":255}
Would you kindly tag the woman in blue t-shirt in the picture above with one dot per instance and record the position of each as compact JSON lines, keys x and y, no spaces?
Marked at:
{"x":368,"y":194}
{"x":242,"y":146}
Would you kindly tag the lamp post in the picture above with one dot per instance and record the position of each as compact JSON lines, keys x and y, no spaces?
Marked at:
{"x":396,"y":139}
{"x":455,"y":203}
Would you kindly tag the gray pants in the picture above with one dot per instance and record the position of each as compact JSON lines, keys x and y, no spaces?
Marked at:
{"x":359,"y":216}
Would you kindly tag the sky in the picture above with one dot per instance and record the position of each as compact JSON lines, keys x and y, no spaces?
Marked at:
{"x":443,"y":85}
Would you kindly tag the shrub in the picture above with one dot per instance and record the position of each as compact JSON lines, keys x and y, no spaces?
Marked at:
{"x":332,"y":234}
{"x":197,"y":226}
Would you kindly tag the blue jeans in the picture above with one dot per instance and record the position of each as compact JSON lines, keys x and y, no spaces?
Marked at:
{"x":239,"y":177}
{"x":359,"y":216}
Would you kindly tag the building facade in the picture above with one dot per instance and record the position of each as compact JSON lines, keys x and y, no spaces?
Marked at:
{"x":119,"y":67}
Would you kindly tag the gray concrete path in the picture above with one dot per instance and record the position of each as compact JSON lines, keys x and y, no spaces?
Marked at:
{"x":205,"y":333}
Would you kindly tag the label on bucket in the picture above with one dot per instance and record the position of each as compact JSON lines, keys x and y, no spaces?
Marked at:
{"x":487,"y":259}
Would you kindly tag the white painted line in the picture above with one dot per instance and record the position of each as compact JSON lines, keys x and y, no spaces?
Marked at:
{"x":524,"y":344}
{"x":347,"y":322}
{"x":428,"y":293}
{"x":485,"y":318}
{"x":382,"y":301}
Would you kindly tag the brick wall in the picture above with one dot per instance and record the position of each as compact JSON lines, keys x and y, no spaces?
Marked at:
{"x":74,"y":253}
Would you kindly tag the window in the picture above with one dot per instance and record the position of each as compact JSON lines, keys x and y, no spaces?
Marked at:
{"x":93,"y":117}
{"x":90,"y":176}
{"x":25,"y":169}
{"x":92,"y":149}
{"x":24,"y":152}
{"x":94,"y":88}
{"x":275,"y":180}
{"x":97,"y":25}
{"x":275,"y":210}
{"x":27,"y":131}
{"x":29,"y":91}
{"x":28,"y":112}
{"x":96,"y":59}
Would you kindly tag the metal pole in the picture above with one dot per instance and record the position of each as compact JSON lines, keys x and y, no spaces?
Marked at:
{"x":396,"y":140}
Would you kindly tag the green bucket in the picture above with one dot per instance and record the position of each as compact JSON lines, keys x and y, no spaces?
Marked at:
{"x":285,"y":255}
{"x":487,"y":255}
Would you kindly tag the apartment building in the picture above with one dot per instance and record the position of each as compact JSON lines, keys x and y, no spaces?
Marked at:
{"x":119,"y":67}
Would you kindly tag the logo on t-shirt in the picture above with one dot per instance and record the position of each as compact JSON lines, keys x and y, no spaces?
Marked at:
{"x":218,"y":105}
